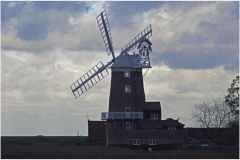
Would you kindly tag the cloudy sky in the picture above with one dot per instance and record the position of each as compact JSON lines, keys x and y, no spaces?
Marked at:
{"x":46,"y":46}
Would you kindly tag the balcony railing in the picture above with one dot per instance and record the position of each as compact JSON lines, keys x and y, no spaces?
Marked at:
{"x":122,"y":115}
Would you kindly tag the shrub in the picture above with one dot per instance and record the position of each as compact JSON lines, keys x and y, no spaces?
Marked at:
{"x":230,"y":136}
{"x":78,"y":144}
{"x":4,"y":143}
{"x":24,"y":143}
{"x":11,"y":141}
{"x":63,"y":143}
{"x":97,"y":152}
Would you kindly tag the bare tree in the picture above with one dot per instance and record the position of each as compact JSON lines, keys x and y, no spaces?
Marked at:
{"x":221,"y":113}
{"x":210,"y":114}
{"x":202,"y":115}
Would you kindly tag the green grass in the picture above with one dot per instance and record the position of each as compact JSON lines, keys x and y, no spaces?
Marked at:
{"x":98,"y":152}
{"x":46,"y":140}
{"x":65,"y":148}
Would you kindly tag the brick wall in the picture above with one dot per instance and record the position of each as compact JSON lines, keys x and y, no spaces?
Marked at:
{"x":118,"y":135}
{"x":170,"y":141}
{"x":119,"y":99}
{"x":158,"y":141}
{"x":96,"y":130}
{"x":120,"y":124}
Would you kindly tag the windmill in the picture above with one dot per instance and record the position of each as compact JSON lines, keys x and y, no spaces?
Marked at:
{"x":123,"y":60}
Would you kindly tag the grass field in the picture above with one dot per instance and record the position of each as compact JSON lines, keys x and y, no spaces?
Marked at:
{"x":99,"y":152}
{"x":65,"y":148}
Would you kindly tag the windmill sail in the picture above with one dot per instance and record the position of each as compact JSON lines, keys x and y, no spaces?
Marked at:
{"x":146,"y":33}
{"x":104,"y":27}
{"x":88,"y":80}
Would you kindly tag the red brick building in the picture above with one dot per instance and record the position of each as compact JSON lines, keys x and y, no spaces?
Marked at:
{"x":131,"y":120}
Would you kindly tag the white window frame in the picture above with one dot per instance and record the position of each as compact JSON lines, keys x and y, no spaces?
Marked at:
{"x":128,"y":126}
{"x":127,"y":109}
{"x":152,"y":142}
{"x":172,"y":128}
{"x":126,"y":73}
{"x":137,"y":142}
{"x":127,"y":88}
{"x":155,"y":116}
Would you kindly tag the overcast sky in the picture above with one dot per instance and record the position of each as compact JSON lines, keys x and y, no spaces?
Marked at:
{"x":46,"y":46}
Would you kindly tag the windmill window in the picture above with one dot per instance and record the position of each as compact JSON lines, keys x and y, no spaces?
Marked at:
{"x":152,"y":141}
{"x":127,"y":109}
{"x":127,"y":74}
{"x":128,"y":126}
{"x":154,"y":116}
{"x":171,"y":127}
{"x":127,"y":88}
{"x":143,"y":54}
{"x":137,"y":142}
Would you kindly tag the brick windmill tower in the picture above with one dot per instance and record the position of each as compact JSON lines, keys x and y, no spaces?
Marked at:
{"x":128,"y":112}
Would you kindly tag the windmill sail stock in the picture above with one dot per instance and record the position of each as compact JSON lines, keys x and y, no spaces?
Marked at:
{"x":146,"y":33}
{"x":99,"y":71}
{"x":88,"y":80}
{"x":104,"y":27}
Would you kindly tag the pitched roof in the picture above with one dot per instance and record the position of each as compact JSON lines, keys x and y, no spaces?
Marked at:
{"x":171,"y":122}
{"x":152,"y":106}
{"x":155,"y":124}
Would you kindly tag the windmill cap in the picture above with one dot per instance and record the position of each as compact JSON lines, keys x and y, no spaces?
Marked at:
{"x":125,"y":61}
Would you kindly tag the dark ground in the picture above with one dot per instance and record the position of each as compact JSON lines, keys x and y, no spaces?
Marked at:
{"x":76,"y":148}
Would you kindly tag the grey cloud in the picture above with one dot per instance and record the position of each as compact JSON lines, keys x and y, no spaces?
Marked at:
{"x":37,"y":88}
{"x":187,"y":38}
{"x":40,"y":80}
{"x":123,"y":12}
{"x":186,"y":6}
{"x":8,"y":13}
{"x":39,"y":21}
{"x":32,"y":30}
{"x":20,"y":7}
{"x":199,"y":60}
{"x":219,"y":33}
{"x":71,"y":7}
{"x":233,"y":65}
{"x":46,"y":23}
{"x":210,"y":43}
{"x":228,"y":34}
{"x":235,"y":11}
{"x":6,"y":60}
{"x":77,"y":58}
{"x":53,"y":122}
{"x":38,"y":26}
{"x":27,"y":76}
{"x":16,"y":120}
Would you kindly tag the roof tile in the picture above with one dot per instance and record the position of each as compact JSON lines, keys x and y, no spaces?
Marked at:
{"x":171,"y":122}
{"x":152,"y":106}
{"x":125,"y":60}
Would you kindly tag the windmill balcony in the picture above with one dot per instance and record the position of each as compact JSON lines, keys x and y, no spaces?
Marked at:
{"x":121,"y":115}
